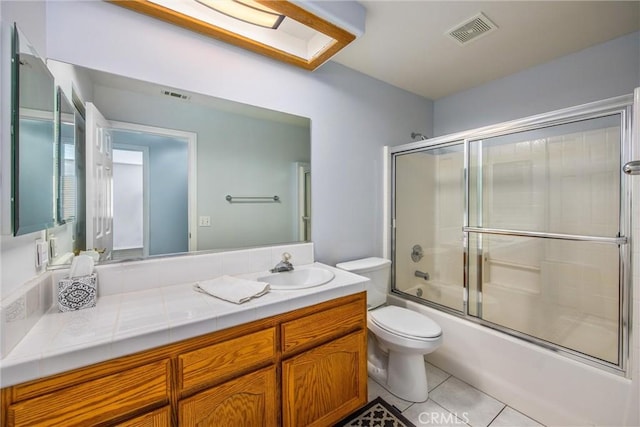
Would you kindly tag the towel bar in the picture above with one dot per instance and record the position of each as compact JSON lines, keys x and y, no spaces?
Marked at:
{"x":253,"y":198}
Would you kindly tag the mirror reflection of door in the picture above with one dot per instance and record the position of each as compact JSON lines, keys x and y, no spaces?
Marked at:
{"x":151,"y":194}
{"x":140,"y":204}
{"x":99,"y":182}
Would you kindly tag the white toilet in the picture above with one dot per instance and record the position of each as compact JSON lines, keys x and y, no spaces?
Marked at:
{"x":398,"y":337}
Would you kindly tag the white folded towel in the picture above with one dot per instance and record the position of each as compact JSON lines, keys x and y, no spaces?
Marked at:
{"x":232,"y":289}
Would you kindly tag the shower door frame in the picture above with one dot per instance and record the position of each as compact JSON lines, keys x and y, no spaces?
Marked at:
{"x":621,"y":105}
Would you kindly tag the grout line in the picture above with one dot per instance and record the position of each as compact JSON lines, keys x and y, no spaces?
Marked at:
{"x":444,"y":381}
{"x":494,"y":418}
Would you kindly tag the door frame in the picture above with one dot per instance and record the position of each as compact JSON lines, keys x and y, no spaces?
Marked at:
{"x":192,"y":140}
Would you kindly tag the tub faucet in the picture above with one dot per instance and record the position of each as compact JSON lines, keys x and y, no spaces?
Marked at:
{"x":283,"y":265}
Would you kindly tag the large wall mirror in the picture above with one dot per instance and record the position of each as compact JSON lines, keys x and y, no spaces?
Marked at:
{"x":189,"y":172}
{"x":33,"y":139}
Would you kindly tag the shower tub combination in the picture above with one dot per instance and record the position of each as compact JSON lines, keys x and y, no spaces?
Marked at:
{"x":519,"y":232}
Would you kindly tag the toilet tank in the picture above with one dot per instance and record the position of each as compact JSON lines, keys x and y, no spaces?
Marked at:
{"x":376,"y":269}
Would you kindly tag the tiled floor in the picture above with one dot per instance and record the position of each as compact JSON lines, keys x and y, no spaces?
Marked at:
{"x":453,"y":403}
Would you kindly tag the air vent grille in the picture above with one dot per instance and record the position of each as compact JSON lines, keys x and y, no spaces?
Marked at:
{"x":173,"y":94}
{"x":472,"y":29}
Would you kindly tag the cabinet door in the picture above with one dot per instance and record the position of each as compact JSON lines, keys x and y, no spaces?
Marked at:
{"x":325,"y":384}
{"x":246,"y":401}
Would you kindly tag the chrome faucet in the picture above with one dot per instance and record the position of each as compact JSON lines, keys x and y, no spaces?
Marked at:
{"x":283,"y":265}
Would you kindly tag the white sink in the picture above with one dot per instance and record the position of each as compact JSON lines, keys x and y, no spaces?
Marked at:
{"x":298,"y":279}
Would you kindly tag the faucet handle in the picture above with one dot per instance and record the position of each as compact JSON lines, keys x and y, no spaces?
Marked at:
{"x":286,"y":256}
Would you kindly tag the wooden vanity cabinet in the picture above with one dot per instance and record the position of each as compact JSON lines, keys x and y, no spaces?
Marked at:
{"x":302,"y":368}
{"x":328,"y":379}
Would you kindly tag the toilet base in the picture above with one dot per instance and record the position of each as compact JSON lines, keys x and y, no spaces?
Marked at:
{"x":407,"y":376}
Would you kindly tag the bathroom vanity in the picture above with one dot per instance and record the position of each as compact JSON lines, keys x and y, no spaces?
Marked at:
{"x":303,"y":365}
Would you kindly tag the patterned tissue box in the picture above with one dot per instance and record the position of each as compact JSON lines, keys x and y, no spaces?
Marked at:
{"x":78,"y":293}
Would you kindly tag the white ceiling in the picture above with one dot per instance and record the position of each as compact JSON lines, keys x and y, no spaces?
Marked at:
{"x":405,"y":44}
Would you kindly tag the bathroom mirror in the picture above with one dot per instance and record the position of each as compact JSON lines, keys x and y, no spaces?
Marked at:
{"x":33,"y":139}
{"x":193,"y":172}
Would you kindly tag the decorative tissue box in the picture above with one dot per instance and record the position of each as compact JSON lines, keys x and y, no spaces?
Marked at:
{"x":78,"y":293}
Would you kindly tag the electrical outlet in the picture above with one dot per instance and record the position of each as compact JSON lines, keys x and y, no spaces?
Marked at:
{"x":204,"y":221}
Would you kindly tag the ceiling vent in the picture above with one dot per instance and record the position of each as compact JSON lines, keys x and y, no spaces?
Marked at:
{"x":173,"y":94}
{"x":472,"y":29}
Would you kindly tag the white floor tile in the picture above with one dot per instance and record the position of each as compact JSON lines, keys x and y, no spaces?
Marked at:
{"x":478,"y":409}
{"x":509,"y":417}
{"x":376,"y":390}
{"x":429,"y":413}
{"x":453,"y":403}
{"x":435,"y":376}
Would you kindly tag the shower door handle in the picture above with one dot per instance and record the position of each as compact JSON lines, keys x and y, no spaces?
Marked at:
{"x":632,"y":168}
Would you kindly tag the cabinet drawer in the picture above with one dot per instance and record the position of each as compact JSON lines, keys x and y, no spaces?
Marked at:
{"x":226,"y":359}
{"x":158,"y":418}
{"x":320,"y":327}
{"x":96,"y":401}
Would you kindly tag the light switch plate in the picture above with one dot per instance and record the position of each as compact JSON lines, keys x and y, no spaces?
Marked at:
{"x":204,"y":221}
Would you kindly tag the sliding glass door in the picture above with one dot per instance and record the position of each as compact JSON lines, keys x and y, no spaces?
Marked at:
{"x":429,"y":201}
{"x":522,"y":229}
{"x":544,"y":234}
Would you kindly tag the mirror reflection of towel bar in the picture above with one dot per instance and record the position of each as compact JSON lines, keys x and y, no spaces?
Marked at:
{"x":248,"y":199}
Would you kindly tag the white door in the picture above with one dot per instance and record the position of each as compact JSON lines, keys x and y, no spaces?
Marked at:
{"x":99,"y":182}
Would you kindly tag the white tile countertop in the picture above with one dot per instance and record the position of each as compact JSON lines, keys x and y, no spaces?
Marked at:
{"x":127,"y":323}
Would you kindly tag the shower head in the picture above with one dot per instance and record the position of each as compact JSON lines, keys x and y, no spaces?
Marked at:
{"x":415,"y":135}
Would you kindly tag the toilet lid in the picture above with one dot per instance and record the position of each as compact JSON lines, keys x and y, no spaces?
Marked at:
{"x":402,"y":321}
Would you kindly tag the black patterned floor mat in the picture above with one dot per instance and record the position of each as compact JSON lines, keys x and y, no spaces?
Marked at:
{"x":377,"y":413}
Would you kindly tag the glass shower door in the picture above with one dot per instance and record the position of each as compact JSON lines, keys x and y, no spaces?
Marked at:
{"x":428,"y":258}
{"x":544,"y":234}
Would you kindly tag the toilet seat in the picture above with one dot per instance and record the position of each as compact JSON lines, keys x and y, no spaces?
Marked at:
{"x":405,"y":323}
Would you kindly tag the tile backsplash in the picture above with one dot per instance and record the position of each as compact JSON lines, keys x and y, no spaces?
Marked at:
{"x":20,"y":312}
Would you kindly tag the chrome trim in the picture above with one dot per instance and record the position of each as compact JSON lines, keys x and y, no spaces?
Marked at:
{"x":465,"y":235}
{"x":597,"y":109}
{"x":626,"y":282}
{"x":393,"y":220}
{"x":596,"y":239}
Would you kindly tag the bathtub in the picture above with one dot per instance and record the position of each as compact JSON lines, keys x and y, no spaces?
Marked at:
{"x":549,"y":387}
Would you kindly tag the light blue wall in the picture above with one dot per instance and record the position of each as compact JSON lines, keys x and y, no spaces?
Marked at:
{"x":168,"y":198}
{"x":603,"y":71}
{"x":168,"y":190}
